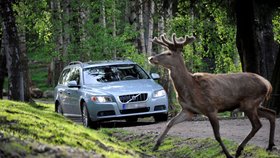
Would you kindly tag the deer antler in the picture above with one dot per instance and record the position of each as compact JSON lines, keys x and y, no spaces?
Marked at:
{"x":176,"y":43}
{"x":184,"y":40}
{"x":162,"y":40}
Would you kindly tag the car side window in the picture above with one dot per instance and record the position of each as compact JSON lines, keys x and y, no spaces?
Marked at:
{"x":67,"y":75}
{"x":74,"y":75}
{"x":63,"y":77}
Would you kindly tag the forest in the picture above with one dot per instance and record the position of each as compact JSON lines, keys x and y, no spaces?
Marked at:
{"x":231,"y":36}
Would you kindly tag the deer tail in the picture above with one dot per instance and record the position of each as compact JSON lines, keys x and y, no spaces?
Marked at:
{"x":267,"y":85}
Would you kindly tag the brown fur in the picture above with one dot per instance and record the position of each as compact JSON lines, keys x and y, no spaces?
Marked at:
{"x":209,"y":94}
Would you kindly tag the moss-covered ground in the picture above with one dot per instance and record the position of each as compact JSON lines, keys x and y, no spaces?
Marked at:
{"x":35,"y":130}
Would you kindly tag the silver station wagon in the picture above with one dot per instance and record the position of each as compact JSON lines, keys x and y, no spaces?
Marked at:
{"x":109,"y":90}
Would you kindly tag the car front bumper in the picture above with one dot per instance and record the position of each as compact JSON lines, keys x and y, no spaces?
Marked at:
{"x":118,"y":110}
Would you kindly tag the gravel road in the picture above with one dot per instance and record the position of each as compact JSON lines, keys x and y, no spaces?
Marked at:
{"x":234,"y":129}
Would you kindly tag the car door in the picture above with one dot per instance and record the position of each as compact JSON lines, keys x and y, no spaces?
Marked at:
{"x":74,"y":92}
{"x":62,"y":91}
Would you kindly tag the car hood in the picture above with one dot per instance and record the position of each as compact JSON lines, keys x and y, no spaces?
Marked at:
{"x":126,"y":87}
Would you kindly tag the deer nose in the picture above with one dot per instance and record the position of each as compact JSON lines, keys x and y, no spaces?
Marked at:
{"x":152,"y":60}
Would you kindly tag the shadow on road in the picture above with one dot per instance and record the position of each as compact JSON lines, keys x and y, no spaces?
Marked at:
{"x":117,"y":123}
{"x":120,"y":124}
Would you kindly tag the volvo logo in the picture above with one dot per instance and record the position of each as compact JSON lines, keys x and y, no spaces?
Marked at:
{"x":133,"y":98}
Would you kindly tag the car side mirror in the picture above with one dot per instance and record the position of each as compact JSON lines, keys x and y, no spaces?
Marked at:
{"x":155,"y":76}
{"x":72,"y":84}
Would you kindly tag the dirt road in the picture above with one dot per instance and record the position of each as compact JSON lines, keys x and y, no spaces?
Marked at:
{"x":236,"y":130}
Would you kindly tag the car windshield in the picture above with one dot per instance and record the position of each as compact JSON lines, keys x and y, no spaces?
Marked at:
{"x":111,"y":73}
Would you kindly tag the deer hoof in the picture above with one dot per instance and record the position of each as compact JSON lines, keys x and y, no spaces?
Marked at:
{"x":155,"y":148}
{"x":271,"y":147}
{"x":238,"y":152}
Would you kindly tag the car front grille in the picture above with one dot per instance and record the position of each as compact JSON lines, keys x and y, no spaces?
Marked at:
{"x":133,"y":97}
{"x":131,"y":111}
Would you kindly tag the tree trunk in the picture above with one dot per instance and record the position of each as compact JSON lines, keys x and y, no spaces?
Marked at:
{"x":83,"y":16}
{"x":132,"y":10}
{"x":275,"y":98}
{"x":150,"y":30}
{"x":12,"y":51}
{"x":141,"y":27}
{"x":66,"y":28}
{"x":255,"y":43}
{"x":58,"y":65}
{"x":114,"y":29}
{"x":3,"y":70}
{"x":103,"y":13}
{"x":24,"y":64}
{"x":58,"y":38}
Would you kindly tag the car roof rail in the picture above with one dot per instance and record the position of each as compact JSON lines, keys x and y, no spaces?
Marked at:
{"x":122,"y":58}
{"x":75,"y":62}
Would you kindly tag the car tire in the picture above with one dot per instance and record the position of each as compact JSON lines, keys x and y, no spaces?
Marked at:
{"x":86,"y":120}
{"x":131,"y":119}
{"x":59,"y":109}
{"x":161,"y":117}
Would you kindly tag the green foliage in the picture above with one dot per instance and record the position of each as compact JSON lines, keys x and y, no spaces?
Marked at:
{"x":97,"y":41}
{"x":214,"y":50}
{"x":276,"y":23}
{"x":84,"y":38}
{"x":34,"y":20}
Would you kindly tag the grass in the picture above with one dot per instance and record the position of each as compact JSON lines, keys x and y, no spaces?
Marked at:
{"x":39,"y":123}
{"x":34,"y":130}
{"x":39,"y":76}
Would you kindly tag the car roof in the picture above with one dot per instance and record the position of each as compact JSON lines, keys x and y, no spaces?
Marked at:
{"x":98,"y":63}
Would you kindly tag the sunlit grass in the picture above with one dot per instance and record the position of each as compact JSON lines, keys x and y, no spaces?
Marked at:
{"x":40,"y":123}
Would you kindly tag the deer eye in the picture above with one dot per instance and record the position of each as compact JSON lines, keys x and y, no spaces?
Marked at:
{"x":169,"y":54}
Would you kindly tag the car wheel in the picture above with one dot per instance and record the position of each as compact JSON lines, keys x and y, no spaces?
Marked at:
{"x":131,"y":119}
{"x":59,"y":109}
{"x":86,"y":118}
{"x":85,"y":115}
{"x":161,"y":117}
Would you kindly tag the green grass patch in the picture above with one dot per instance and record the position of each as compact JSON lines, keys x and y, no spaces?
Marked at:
{"x":39,"y":123}
{"x":39,"y":76}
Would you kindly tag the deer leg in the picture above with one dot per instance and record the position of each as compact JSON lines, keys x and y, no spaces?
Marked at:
{"x":256,"y":125}
{"x":182,"y":116}
{"x":270,"y":115}
{"x":216,"y":128}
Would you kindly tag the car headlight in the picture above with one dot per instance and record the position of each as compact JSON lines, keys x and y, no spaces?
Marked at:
{"x":159,"y":93}
{"x":101,"y":99}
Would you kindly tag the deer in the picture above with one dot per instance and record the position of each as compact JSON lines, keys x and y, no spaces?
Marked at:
{"x":208,"y":94}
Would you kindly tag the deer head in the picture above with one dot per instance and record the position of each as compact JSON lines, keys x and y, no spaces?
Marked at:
{"x":173,"y":54}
